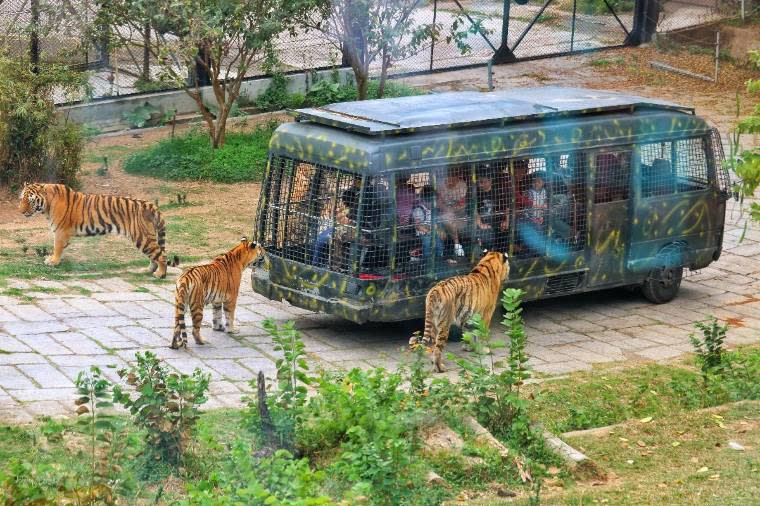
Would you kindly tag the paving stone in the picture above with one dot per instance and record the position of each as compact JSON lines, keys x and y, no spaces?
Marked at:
{"x":90,"y":307}
{"x":83,"y":284}
{"x":144,"y":336}
{"x":122,"y":296}
{"x":45,"y":375}
{"x":591,"y":357}
{"x":106,"y":336}
{"x":85,"y":361}
{"x":555,"y":338}
{"x":45,"y":345}
{"x":207,"y":352}
{"x":230,"y":369}
{"x":15,"y":415}
{"x":47,"y":394}
{"x":59,"y":307}
{"x":545,"y":354}
{"x":258,"y":364}
{"x":89,"y":322}
{"x":78,"y":343}
{"x":158,"y":308}
{"x":554,"y":368}
{"x":187,"y":365}
{"x":583,"y":326}
{"x":12,"y":379}
{"x":6,"y":316}
{"x":9,"y":344}
{"x":659,"y":352}
{"x":21,"y":358}
{"x":601,"y":348}
{"x":224,"y":387}
{"x":161,"y":325}
{"x":47,"y":408}
{"x":130,"y":309}
{"x":30,"y":313}
{"x":115,"y":285}
{"x":26,"y":328}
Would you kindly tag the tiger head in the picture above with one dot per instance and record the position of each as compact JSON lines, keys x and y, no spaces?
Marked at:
{"x":499,"y":262}
{"x":33,"y":199}
{"x":249,"y":252}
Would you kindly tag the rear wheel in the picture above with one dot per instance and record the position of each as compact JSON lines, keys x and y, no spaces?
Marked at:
{"x":662,"y":284}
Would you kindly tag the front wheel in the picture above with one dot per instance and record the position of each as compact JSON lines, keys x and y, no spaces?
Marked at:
{"x":662,"y":284}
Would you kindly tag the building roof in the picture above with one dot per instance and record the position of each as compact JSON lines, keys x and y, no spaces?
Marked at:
{"x":392,"y":116}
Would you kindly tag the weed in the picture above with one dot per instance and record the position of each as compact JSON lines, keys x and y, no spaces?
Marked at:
{"x":102,"y":171}
{"x":18,"y":293}
{"x":82,"y":290}
{"x":190,"y":157}
{"x":709,"y":349}
{"x":141,"y":289}
{"x":141,"y":115}
{"x":164,"y":403}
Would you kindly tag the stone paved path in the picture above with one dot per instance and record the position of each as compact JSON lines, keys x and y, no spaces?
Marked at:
{"x":46,"y":341}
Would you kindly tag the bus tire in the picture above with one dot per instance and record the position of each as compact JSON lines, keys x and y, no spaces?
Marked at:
{"x":662,"y":284}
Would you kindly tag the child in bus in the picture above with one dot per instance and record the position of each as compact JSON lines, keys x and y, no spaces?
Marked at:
{"x":345,"y":214}
{"x":423,"y":226}
{"x":536,"y":197}
{"x":452,"y":202}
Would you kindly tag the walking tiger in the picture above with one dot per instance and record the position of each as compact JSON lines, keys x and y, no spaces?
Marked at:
{"x":217,"y":284}
{"x":71,"y":213}
{"x":455,"y":300}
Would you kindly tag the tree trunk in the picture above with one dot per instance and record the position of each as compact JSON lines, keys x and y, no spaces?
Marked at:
{"x":383,"y":73}
{"x":146,"y":53}
{"x":362,"y":82}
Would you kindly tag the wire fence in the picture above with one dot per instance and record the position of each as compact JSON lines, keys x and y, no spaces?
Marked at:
{"x":497,"y":30}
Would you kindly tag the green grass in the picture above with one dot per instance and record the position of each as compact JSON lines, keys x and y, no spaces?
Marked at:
{"x":607,"y":62}
{"x":187,"y":229}
{"x":112,"y":152}
{"x":191,"y":157}
{"x":600,"y":398}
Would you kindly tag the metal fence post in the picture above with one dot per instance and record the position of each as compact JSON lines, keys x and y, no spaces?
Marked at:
{"x":432,"y":33}
{"x":645,"y":17}
{"x":572,"y":28}
{"x":504,"y":54}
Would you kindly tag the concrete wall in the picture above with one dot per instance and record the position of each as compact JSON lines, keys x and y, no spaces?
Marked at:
{"x":107,"y":114}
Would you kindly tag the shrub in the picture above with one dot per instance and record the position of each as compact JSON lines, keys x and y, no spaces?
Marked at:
{"x":164,"y":403}
{"x":599,"y":7}
{"x":34,"y":144}
{"x":190,"y":157}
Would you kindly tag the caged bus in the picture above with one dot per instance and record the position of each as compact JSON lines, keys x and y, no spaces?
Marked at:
{"x":366,"y":205}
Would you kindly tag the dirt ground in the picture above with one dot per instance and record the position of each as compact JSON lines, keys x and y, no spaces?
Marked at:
{"x":218,"y":214}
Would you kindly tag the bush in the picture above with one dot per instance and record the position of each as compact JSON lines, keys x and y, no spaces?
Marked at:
{"x":599,"y":7}
{"x":165,"y":404}
{"x":34,"y":145}
{"x":242,"y":158}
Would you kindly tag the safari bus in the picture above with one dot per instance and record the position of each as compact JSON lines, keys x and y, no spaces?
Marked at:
{"x":366,"y":205}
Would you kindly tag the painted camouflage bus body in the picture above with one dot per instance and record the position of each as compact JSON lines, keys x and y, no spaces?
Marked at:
{"x":624,"y":241}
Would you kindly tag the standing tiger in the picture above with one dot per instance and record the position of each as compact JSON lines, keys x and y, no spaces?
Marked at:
{"x":455,"y":300}
{"x":217,"y":284}
{"x":71,"y":213}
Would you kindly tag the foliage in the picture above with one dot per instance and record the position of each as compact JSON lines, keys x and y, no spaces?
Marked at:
{"x":164,"y":403}
{"x":275,"y":480}
{"x":366,"y":32}
{"x":709,"y":349}
{"x":141,"y":115}
{"x":292,"y":369}
{"x":599,"y":7}
{"x":34,"y":144}
{"x":495,"y":393}
{"x":109,"y":442}
{"x":189,"y":157}
{"x":746,"y":162}
{"x":219,"y":41}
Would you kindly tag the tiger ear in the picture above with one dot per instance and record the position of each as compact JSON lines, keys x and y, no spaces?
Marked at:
{"x":244,"y":239}
{"x":253,"y":245}
{"x":485,"y":251}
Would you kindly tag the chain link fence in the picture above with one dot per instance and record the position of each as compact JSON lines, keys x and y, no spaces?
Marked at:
{"x":496,"y":30}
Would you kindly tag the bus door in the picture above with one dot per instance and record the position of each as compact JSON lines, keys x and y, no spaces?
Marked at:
{"x":610,"y":193}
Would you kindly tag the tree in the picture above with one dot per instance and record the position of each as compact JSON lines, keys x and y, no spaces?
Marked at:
{"x":746,"y":163}
{"x":220,"y":39}
{"x":380,"y":31}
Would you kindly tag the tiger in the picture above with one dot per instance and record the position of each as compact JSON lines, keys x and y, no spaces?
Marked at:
{"x":72,"y":213}
{"x":455,"y":300}
{"x":217,"y":284}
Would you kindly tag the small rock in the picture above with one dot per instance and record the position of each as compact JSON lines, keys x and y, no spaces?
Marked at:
{"x":434,"y":478}
{"x":505,"y":492}
{"x":735,"y":446}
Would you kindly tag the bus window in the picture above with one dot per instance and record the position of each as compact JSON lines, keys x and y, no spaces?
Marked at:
{"x":657,"y":176}
{"x":493,"y":202}
{"x":415,"y":235}
{"x":691,"y":165}
{"x":567,"y":202}
{"x":613,"y":171}
{"x":531,"y":204}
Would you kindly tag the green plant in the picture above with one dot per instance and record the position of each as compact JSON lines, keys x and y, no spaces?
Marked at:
{"x":746,"y":162}
{"x":189,"y":157}
{"x":277,"y":480}
{"x":709,"y":349}
{"x":109,"y":442}
{"x":141,"y":115}
{"x":102,"y":171}
{"x":164,"y":403}
{"x":34,"y":144}
{"x":292,"y":377}
{"x":600,"y":7}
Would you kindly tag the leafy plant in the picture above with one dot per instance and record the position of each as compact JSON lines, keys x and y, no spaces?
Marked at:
{"x":164,"y":403}
{"x":109,"y":441}
{"x":277,"y":480}
{"x":709,"y":349}
{"x":34,"y":144}
{"x":746,"y":162}
{"x":141,"y":115}
{"x":292,"y":369}
{"x":189,"y":157}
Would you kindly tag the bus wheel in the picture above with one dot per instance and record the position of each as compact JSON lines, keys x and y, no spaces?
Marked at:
{"x":662,"y":284}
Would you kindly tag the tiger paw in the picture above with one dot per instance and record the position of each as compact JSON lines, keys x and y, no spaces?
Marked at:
{"x":199,"y":340}
{"x":232,"y":330}
{"x":52,"y":261}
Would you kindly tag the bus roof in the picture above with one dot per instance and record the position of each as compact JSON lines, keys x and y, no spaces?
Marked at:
{"x":391,"y":116}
